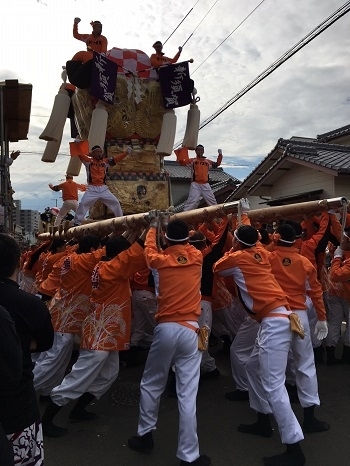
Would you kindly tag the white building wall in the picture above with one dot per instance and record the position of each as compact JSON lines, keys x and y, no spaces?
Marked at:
{"x":302,"y":179}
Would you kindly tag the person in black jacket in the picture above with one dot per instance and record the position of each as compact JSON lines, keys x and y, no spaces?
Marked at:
{"x":19,"y":410}
{"x":11,"y":371}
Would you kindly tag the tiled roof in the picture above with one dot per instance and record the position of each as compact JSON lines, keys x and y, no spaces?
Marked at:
{"x":344,"y":130}
{"x":179,"y":172}
{"x":331,"y":156}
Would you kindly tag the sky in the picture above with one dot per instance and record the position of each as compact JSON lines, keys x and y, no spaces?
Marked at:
{"x":306,"y":96}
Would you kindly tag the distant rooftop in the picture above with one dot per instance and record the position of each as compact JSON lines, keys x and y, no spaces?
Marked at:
{"x":343,"y":131}
{"x":179,"y":172}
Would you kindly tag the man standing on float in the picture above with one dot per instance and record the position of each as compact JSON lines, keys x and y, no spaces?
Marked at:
{"x":200,"y":186}
{"x":96,"y":168}
{"x":96,"y":41}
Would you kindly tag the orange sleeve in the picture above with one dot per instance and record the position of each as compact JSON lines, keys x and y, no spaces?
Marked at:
{"x":119,"y":157}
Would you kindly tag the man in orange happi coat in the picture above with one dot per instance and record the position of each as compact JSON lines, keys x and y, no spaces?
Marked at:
{"x":105,"y":331}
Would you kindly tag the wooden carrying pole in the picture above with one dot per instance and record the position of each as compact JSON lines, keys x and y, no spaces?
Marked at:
{"x":266,"y":215}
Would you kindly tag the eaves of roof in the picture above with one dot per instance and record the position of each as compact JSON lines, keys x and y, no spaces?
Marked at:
{"x":344,"y":130}
{"x":334,"y":157}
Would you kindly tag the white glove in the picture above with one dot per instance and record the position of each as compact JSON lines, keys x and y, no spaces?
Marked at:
{"x":220,"y":151}
{"x":338,"y":253}
{"x":77,"y":20}
{"x":129,"y":150}
{"x":321,"y":329}
{"x":245,"y":205}
{"x":153,"y":218}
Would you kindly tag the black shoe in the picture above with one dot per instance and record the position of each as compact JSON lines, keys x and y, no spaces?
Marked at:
{"x":51,"y":430}
{"x":262,"y":427}
{"x":203,"y":460}
{"x":142,"y":443}
{"x":237,"y":395}
{"x":210,"y":375}
{"x":293,"y":456}
{"x":314,"y":425}
{"x":82,"y":415}
{"x":311,"y":424}
{"x":78,"y":413}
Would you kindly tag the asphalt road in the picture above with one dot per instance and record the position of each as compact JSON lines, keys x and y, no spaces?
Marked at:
{"x":104,"y":442}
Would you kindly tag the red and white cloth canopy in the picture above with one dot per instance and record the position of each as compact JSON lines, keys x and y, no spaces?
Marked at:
{"x":132,"y":60}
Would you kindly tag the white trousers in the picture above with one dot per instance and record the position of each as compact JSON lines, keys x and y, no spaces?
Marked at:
{"x":227,"y":321}
{"x":196,"y":191}
{"x":338,"y":312}
{"x":67,"y":206}
{"x":51,"y":365}
{"x":240,"y":351}
{"x":172,"y":344}
{"x":94,"y":372}
{"x":206,"y":317}
{"x":304,"y":363}
{"x":91,"y":195}
{"x":266,"y":368}
{"x":144,"y":306}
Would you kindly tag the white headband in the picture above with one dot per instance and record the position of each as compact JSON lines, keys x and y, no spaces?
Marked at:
{"x":176,"y":240}
{"x":243,"y":242}
{"x":285,"y":241}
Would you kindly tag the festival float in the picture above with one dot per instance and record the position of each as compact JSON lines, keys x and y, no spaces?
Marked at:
{"x":117,"y":100}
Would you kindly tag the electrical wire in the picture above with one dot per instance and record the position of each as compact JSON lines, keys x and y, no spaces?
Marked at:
{"x":286,"y":56}
{"x":189,"y":37}
{"x":195,"y":29}
{"x":235,"y":29}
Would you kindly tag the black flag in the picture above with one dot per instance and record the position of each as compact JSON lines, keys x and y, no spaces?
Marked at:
{"x":104,"y":78}
{"x":176,"y":85}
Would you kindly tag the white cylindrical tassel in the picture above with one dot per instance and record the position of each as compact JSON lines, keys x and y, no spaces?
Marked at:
{"x":167,"y":135}
{"x":51,"y":151}
{"x":98,"y":126}
{"x":74,"y":166}
{"x":55,"y":125}
{"x":192,"y":127}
